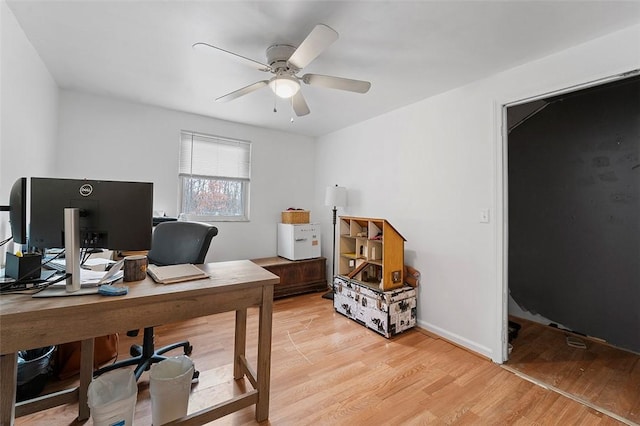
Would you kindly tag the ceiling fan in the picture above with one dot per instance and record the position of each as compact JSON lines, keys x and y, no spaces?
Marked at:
{"x":285,"y":61}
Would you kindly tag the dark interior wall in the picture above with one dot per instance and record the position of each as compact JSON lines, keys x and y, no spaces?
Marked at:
{"x":574,"y":212}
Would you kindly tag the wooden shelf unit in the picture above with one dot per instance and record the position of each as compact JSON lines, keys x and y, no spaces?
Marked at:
{"x":372,"y":251}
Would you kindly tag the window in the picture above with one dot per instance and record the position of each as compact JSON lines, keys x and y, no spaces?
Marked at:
{"x":214,"y":175}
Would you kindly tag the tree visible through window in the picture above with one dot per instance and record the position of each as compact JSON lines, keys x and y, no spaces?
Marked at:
{"x":215,"y":175}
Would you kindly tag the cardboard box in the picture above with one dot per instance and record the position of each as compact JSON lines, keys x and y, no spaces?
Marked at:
{"x":385,"y":312}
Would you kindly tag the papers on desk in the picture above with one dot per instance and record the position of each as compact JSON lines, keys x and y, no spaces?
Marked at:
{"x":90,"y":278}
{"x":175,"y":273}
{"x":90,"y":282}
{"x":98,"y":263}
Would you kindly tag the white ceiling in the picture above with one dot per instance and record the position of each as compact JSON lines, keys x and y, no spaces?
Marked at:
{"x":409,"y":50}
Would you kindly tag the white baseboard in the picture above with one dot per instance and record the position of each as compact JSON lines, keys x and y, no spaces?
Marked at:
{"x":459,"y":340}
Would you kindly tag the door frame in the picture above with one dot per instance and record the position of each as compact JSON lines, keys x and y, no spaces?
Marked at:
{"x":502,"y":195}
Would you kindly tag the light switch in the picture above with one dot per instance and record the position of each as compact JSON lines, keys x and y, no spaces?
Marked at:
{"x":484,"y":215}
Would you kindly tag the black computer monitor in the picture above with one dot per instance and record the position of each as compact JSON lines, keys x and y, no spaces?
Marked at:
{"x":114,"y":215}
{"x":18,"y":210}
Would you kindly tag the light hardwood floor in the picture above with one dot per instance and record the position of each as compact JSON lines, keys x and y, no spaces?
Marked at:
{"x":328,"y":370}
{"x":600,"y":375}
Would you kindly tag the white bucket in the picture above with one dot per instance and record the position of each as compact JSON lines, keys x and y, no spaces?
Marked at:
{"x":112,"y":398}
{"x":169,"y":386}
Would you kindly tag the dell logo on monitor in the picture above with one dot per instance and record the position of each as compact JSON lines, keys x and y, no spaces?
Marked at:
{"x":86,"y":190}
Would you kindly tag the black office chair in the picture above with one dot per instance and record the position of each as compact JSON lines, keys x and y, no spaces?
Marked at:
{"x":172,"y":243}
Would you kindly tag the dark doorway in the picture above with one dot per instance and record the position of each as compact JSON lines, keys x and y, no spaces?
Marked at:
{"x":574,"y":210}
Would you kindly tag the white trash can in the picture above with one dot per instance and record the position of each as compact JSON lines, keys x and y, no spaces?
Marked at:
{"x":169,"y":386}
{"x":112,"y":398}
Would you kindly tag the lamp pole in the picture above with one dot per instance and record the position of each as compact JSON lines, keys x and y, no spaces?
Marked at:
{"x":333,"y":259}
{"x":335,"y":196}
{"x":329,"y":294}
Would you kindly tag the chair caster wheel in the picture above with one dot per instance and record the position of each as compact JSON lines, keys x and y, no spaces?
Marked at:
{"x":135,"y":351}
{"x":196,"y":375}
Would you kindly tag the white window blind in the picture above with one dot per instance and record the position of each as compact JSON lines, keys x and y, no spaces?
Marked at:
{"x":214,"y":175}
{"x":203,"y":155}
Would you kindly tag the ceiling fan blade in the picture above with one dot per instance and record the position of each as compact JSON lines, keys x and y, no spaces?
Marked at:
{"x":254,"y":64}
{"x":300,"y":106}
{"x":316,"y":42}
{"x":241,"y":92}
{"x":358,"y":86}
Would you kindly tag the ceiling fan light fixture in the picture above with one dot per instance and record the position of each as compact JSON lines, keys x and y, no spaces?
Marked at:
{"x":284,"y":86}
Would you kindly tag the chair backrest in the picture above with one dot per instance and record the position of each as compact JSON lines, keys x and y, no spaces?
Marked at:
{"x":180,"y":242}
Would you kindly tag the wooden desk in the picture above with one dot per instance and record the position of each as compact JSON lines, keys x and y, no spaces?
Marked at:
{"x":27,"y":323}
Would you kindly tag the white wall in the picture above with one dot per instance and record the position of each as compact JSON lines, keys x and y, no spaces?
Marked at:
{"x":28,"y":112}
{"x":430,"y":168}
{"x":104,"y":138}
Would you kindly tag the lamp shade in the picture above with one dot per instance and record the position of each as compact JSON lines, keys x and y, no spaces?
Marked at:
{"x":284,"y":86}
{"x":336,"y":196}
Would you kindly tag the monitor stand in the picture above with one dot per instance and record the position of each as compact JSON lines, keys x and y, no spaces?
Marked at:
{"x":72,"y":248}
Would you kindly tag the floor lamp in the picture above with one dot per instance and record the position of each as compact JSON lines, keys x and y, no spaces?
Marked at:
{"x":335,"y":196}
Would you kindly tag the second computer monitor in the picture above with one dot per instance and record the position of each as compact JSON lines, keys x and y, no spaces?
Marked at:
{"x":114,"y":215}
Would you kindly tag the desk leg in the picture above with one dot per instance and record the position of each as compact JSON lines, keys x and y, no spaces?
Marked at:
{"x":264,"y":354}
{"x":8,"y":379}
{"x":86,"y":375}
{"x":240,"y":343}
